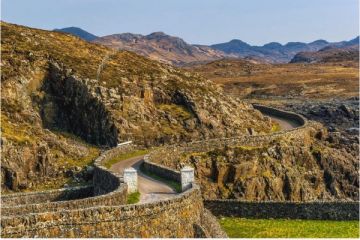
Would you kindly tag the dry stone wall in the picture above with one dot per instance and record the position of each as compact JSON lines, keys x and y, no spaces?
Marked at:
{"x":170,"y":218}
{"x":47,"y":196}
{"x":282,"y":113}
{"x":160,"y":170}
{"x":108,"y":189}
{"x":291,"y":210}
{"x":112,"y":199}
{"x":105,"y":180}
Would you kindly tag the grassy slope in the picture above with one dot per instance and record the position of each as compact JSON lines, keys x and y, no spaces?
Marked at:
{"x":308,"y":80}
{"x":281,"y":228}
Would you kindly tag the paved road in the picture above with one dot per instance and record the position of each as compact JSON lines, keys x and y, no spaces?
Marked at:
{"x":150,"y":189}
{"x":284,"y":123}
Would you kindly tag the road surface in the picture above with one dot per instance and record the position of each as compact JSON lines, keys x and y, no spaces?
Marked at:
{"x":150,"y":189}
{"x":285,"y":124}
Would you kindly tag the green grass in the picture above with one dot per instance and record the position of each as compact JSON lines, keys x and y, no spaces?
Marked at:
{"x":133,"y":198}
{"x":275,"y":127}
{"x":283,"y":228}
{"x":174,"y":185}
{"x":125,"y":156}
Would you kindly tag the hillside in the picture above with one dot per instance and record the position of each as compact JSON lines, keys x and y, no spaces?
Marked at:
{"x":329,"y":54}
{"x":78,"y":32}
{"x":254,"y":79}
{"x":160,"y":46}
{"x":57,"y":89}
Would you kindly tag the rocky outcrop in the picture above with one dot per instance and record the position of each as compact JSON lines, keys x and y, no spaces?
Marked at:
{"x":69,"y":105}
{"x":285,"y":168}
{"x":15,"y":175}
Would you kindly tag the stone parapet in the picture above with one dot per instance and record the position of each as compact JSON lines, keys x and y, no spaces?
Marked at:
{"x":161,"y":170}
{"x":62,"y":194}
{"x":174,"y":217}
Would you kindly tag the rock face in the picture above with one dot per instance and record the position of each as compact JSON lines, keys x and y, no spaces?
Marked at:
{"x":336,"y":114}
{"x":69,"y":105}
{"x":341,"y":117}
{"x":54,"y":82}
{"x":162,"y":47}
{"x":282,"y":170}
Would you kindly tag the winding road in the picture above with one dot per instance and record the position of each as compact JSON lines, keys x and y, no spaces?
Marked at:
{"x":153,"y":190}
{"x":150,"y":189}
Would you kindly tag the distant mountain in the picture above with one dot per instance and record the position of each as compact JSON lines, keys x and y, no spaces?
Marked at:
{"x":162,"y":47}
{"x":274,"y":52}
{"x":78,"y":32}
{"x":278,"y":53}
{"x":174,"y":50}
{"x":346,"y":51}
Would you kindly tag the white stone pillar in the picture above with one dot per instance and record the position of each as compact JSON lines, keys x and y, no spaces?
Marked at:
{"x":131,"y":179}
{"x":187,"y":177}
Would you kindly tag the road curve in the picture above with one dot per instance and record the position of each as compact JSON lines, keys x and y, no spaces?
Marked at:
{"x":153,"y":190}
{"x":150,"y":189}
{"x":285,"y":124}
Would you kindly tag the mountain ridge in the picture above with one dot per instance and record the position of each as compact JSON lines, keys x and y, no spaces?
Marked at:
{"x":175,"y":50}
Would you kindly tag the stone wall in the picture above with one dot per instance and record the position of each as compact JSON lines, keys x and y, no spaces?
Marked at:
{"x":282,"y":114}
{"x":47,"y":196}
{"x":160,"y":170}
{"x":210,"y":226}
{"x":114,"y":198}
{"x":175,"y":217}
{"x":108,"y":189}
{"x":291,"y":210}
{"x":105,"y":180}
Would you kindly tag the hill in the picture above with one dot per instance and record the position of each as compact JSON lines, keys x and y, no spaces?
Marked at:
{"x":329,"y":54}
{"x":78,"y":32}
{"x":58,"y":91}
{"x":160,"y":46}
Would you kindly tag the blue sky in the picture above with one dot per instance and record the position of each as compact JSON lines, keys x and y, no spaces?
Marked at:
{"x":196,"y":21}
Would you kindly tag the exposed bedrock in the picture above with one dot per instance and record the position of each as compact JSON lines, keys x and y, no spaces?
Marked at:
{"x":14,"y":173}
{"x":68,"y":105}
{"x":280,"y":170}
